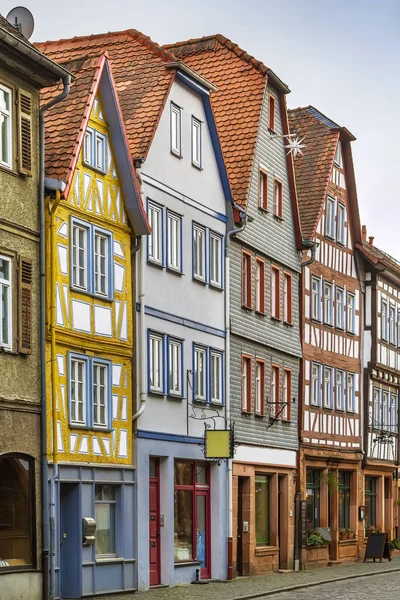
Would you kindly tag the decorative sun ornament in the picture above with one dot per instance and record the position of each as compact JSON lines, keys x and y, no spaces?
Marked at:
{"x":294,"y":144}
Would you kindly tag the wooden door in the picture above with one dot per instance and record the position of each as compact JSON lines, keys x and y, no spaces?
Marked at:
{"x":154,"y":524}
{"x":203,"y":532}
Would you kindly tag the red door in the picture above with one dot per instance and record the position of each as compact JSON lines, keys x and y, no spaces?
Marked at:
{"x":203,"y":532}
{"x":154,"y":529}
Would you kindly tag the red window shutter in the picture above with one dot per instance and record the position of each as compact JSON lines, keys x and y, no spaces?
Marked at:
{"x":25,"y":305}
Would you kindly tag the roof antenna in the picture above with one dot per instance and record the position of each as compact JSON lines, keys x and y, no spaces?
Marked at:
{"x":22,"y":19}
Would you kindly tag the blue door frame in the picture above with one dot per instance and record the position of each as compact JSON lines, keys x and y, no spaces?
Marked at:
{"x":71,"y":541}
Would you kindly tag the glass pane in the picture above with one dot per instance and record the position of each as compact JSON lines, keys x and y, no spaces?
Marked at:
{"x":5,"y":133}
{"x":153,"y":467}
{"x":15,"y":512}
{"x":262,"y":509}
{"x":201,"y":531}
{"x":183,"y":519}
{"x":4,"y":100}
{"x":105,"y":529}
{"x":183,"y":473}
{"x":201,"y":474}
{"x":4,"y":269}
{"x":5,"y":313}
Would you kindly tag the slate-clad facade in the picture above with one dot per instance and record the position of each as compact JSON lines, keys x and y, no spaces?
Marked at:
{"x":265,"y":346}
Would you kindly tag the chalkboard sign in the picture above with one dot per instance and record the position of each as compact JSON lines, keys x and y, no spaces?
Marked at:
{"x":377,"y":547}
{"x":304,"y":523}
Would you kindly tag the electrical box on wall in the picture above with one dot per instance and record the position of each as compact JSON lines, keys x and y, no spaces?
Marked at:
{"x":88,"y":531}
{"x":245,"y":526}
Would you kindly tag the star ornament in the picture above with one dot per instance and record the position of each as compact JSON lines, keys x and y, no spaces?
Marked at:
{"x":294,"y":146}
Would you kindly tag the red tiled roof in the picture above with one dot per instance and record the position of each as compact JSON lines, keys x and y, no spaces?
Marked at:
{"x":236,"y":104}
{"x":141,"y":75}
{"x":376,"y":256}
{"x":313,"y":168}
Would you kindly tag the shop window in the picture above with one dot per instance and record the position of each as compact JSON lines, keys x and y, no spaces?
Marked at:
{"x":370,"y":502}
{"x":313,"y":498}
{"x":16,"y":512}
{"x":344,"y":484}
{"x":105,"y":515}
{"x":262,"y":494}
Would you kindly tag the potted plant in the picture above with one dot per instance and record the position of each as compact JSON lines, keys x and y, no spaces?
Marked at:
{"x":317,"y":549}
{"x":369,"y":530}
{"x":342,"y":533}
{"x":350,"y":533}
{"x":315,"y":539}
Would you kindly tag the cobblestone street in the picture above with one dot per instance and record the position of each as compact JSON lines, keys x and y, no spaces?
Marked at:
{"x":356,"y":581}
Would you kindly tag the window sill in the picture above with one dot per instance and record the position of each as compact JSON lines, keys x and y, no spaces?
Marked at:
{"x":156,"y":393}
{"x":78,"y":290}
{"x":4,"y":350}
{"x":263,"y":210}
{"x":247,"y":413}
{"x":288,"y":324}
{"x":316,"y":320}
{"x":9,"y":170}
{"x":259,"y":313}
{"x":247,"y":308}
{"x":259,"y":415}
{"x":262,"y":550}
{"x":18,"y":569}
{"x":278,"y":218}
{"x":198,"y":167}
{"x":216,"y":287}
{"x":174,"y":271}
{"x":276,"y":319}
{"x":96,"y":169}
{"x":154,"y":263}
{"x":199,"y":280}
{"x":176,"y":154}
{"x":270,"y":130}
{"x":187,"y":563}
{"x":174,"y":397}
{"x":109,"y":559}
{"x":330,"y":325}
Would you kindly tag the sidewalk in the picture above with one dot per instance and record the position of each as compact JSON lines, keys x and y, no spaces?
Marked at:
{"x":252,"y":587}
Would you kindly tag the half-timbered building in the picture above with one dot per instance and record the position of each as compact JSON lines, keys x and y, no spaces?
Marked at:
{"x":331,"y":411}
{"x":381,"y":383}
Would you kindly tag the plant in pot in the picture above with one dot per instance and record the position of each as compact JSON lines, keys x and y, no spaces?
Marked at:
{"x":350,"y":533}
{"x":315,"y":539}
{"x":395,"y":544}
{"x":342,"y":533}
{"x":369,"y":530}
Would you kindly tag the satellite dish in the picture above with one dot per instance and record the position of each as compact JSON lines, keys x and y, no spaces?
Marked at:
{"x":22,"y":20}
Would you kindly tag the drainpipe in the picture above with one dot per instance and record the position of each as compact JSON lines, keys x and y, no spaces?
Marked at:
{"x":229,"y":234}
{"x":313,"y":246}
{"x":142,"y":331}
{"x":44,"y":463}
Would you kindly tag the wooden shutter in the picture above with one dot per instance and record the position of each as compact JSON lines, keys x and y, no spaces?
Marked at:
{"x":24,"y":133}
{"x":25,"y":305}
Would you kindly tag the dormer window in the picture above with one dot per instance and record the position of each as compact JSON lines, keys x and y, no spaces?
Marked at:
{"x":341,"y":219}
{"x":196,"y":143}
{"x":330,"y":218}
{"x":338,"y":156}
{"x":176,"y":130}
{"x":94,"y":149}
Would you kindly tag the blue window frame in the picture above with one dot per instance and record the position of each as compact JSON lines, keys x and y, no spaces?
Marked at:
{"x":393,"y":413}
{"x":200,"y":373}
{"x":351,"y":392}
{"x":330,"y":217}
{"x":377,"y":409}
{"x":328,"y":387}
{"x":340,"y":388}
{"x":197,"y":150}
{"x":316,"y":298}
{"x":208,"y":374}
{"x":341,"y":219}
{"x":199,"y":252}
{"x":91,"y":259}
{"x":89,"y":392}
{"x":392,"y":325}
{"x":328,"y":303}
{"x":216,"y":256}
{"x":156,"y":362}
{"x":351,"y":313}
{"x":94,"y":149}
{"x":384,"y":321}
{"x":155,"y":241}
{"x":175,"y":367}
{"x":216,"y":371}
{"x":316,"y":375}
{"x":339,"y":308}
{"x":174,"y":242}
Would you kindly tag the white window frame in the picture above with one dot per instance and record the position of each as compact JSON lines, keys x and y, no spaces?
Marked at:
{"x":394,"y":408}
{"x":7,"y":285}
{"x":156,"y":362}
{"x":330,"y":217}
{"x":199,"y":252}
{"x":260,"y":386}
{"x":100,"y":274}
{"x":351,"y":313}
{"x":174,"y":242}
{"x":315,"y":384}
{"x":76,"y":264}
{"x":385,"y":406}
{"x":96,"y":387}
{"x":338,"y":156}
{"x":92,"y":141}
{"x":176,"y":130}
{"x":328,"y":387}
{"x":398,"y":327}
{"x":392,"y":324}
{"x":7,"y":114}
{"x":216,"y":260}
{"x":328,"y":303}
{"x":340,"y":296}
{"x":350,"y":391}
{"x":341,"y":219}
{"x":316,"y":298}
{"x":216,"y":377}
{"x":155,"y":239}
{"x":377,"y":408}
{"x":197,"y":144}
{"x":175,"y":367}
{"x":200,"y":387}
{"x":73,"y":401}
{"x":384,"y":320}
{"x":340,"y":389}
{"x":287,"y":375}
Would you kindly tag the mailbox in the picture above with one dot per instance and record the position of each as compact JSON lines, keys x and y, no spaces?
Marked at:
{"x":88,"y":531}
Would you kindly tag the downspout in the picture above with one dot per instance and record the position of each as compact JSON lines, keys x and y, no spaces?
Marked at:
{"x":44,"y":463}
{"x":229,"y":234}
{"x":313,"y":246}
{"x":142,"y":331}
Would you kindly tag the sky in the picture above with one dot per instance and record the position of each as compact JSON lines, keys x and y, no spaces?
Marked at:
{"x":341,"y":56}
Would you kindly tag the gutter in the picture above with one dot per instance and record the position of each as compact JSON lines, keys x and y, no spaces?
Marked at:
{"x":44,"y":460}
{"x":313,"y":246}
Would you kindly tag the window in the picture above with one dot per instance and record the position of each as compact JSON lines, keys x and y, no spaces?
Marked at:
{"x":191,"y":517}
{"x":260,"y":286}
{"x":287,"y":394}
{"x":91,"y":259}
{"x":174,"y":243}
{"x":385,"y":406}
{"x":176,"y":130}
{"x":316,"y":298}
{"x":287,"y":298}
{"x":392,"y":325}
{"x":101,"y":388}
{"x":200,"y":373}
{"x":106,"y":520}
{"x":17,"y":499}
{"x":246,"y":280}
{"x":78,"y":391}
{"x":328,"y":387}
{"x":196,"y":143}
{"x":278,"y":208}
{"x":5,"y":127}
{"x":316,"y":371}
{"x":350,"y":392}
{"x":262,"y":507}
{"x":384,"y":321}
{"x":175,"y":368}
{"x":199,"y":253}
{"x":271,"y":112}
{"x":339,"y":308}
{"x":156,"y":360}
{"x":351,"y":313}
{"x":313,"y":509}
{"x":275,"y":293}
{"x":275,"y":391}
{"x":398,"y":328}
{"x":246,"y":383}
{"x":5,"y":301}
{"x":344,"y":501}
{"x":260,"y":387}
{"x":216,"y":377}
{"x":154,"y":240}
{"x":263,"y":190}
{"x":94,"y":149}
{"x":215,"y":260}
{"x":370,"y":502}
{"x":393,"y":413}
{"x":377,"y":412}
{"x":340,"y":389}
{"x":341,"y":218}
{"x":328,"y":303}
{"x":330,"y":218}
{"x":338,"y":156}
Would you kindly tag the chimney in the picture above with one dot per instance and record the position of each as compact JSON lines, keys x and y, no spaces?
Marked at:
{"x":364,"y":233}
{"x":371,"y":240}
